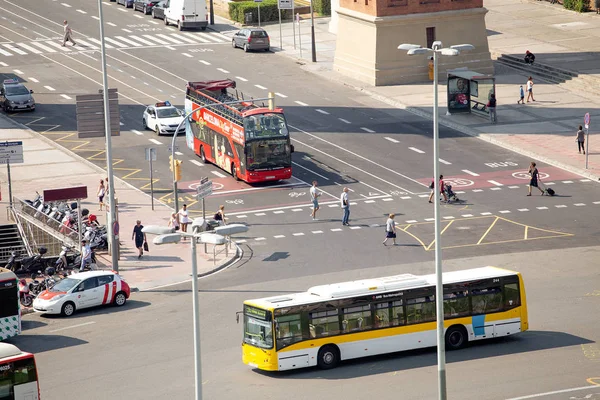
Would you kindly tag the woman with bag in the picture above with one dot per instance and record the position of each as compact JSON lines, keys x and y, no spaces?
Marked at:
{"x":184,"y":218}
{"x":390,"y":230}
{"x":100,"y":193}
{"x":140,"y":238}
{"x":533,"y":182}
{"x":174,"y":221}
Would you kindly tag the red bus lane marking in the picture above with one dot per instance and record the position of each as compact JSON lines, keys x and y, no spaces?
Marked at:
{"x":504,"y":177}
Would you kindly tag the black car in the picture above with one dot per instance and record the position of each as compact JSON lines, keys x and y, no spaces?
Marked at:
{"x":251,"y":39}
{"x":144,"y":6}
{"x":158,"y":11}
{"x":126,"y":3}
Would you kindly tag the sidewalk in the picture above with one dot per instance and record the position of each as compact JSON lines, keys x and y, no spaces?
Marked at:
{"x":49,"y":166}
{"x":543,"y":130}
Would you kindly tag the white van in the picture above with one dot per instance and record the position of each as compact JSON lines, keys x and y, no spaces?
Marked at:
{"x":186,"y":14}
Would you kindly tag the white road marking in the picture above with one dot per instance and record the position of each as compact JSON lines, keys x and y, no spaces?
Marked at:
{"x":14,"y":49}
{"x":241,"y":241}
{"x":279,"y":236}
{"x":467,"y":215}
{"x":223,"y":70}
{"x":50,"y":88}
{"x":221,"y":36}
{"x":197,"y":37}
{"x":280,"y":95}
{"x":130,"y":42}
{"x":278,"y":212}
{"x":5,"y":53}
{"x":322,"y":111}
{"x":388,"y":199}
{"x":108,"y":46}
{"x":81,"y":11}
{"x":217,"y":173}
{"x":33,"y":80}
{"x":126,"y":30}
{"x":155,"y":141}
{"x":495,"y":183}
{"x":369,"y":201}
{"x":367,"y":130}
{"x":154,"y":39}
{"x":445,"y":162}
{"x":311,"y":171}
{"x":137,"y":132}
{"x":355,"y":227}
{"x":260,"y":214}
{"x":261,"y":87}
{"x":504,"y":212}
{"x":204,"y":62}
{"x":466,"y":171}
{"x":196,"y":162}
{"x":448,"y":217}
{"x":31,"y":49}
{"x":345,"y":121}
{"x":523,"y":209}
{"x":579,"y":204}
{"x":297,"y":209}
{"x":170,"y":48}
{"x":73,"y":326}
{"x":3,"y":64}
{"x":336,"y":229}
{"x":241,"y":79}
{"x":213,"y":37}
{"x":242,"y":216}
{"x":298,"y":234}
{"x":184,"y":38}
{"x":316,"y":232}
{"x":406,"y":197}
{"x":560,"y":206}
{"x":596,"y":202}
{"x":66,"y":5}
{"x":65,"y":96}
{"x":486,"y":213}
{"x":301,"y":103}
{"x":153,"y":22}
{"x":423,"y":195}
{"x":111,"y":24}
{"x":477,"y":190}
{"x":98,"y":19}
{"x":513,"y":187}
{"x":585,"y":180}
{"x":567,"y":181}
{"x":116,"y":43}
{"x":178,"y":153}
{"x":495,"y":188}
{"x":335,"y":205}
{"x":43,"y":47}
{"x":416,"y":150}
{"x":86,"y":44}
{"x":260,"y":238}
{"x":532,"y":396}
{"x":187,"y":55}
{"x":18,"y":71}
{"x":460,"y":192}
{"x":141,"y":40}
{"x":411,"y":221}
{"x":542,"y":208}
{"x":168,"y":38}
{"x":429,"y":219}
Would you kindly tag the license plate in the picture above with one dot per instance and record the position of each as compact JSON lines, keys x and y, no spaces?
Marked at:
{"x":260,"y":41}
{"x":270,"y":177}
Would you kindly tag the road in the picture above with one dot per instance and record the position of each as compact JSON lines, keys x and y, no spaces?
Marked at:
{"x":342,"y":138}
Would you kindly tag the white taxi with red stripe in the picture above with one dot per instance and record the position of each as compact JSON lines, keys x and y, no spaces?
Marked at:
{"x":83,"y":290}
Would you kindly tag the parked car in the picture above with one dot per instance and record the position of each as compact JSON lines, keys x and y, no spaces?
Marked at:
{"x":15,"y":96}
{"x":83,"y":290}
{"x":144,"y":6}
{"x":126,"y":3}
{"x":158,"y":11}
{"x":251,"y":39}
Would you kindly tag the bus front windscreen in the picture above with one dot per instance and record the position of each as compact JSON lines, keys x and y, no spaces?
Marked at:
{"x":258,"y":330}
{"x":18,"y":379}
{"x":268,"y":154}
{"x":268,"y":125}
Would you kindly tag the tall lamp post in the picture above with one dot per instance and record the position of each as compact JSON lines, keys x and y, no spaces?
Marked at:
{"x":437,"y":49}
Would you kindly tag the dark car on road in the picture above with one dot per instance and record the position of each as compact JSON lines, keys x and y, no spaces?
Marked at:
{"x":126,"y":3}
{"x":158,"y":11}
{"x":144,"y":6}
{"x":14,"y":96}
{"x":251,"y":39}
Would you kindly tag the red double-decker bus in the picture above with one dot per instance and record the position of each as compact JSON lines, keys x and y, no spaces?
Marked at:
{"x":250,"y":142}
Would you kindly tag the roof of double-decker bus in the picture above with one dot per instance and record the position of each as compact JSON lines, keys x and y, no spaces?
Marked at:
{"x":9,"y":350}
{"x":375,"y":286}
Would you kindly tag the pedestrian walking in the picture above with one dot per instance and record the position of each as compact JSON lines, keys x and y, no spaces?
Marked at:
{"x":139,"y":237}
{"x":442,"y":191}
{"x":314,"y":196}
{"x":390,"y":229}
{"x":68,"y":34}
{"x":581,"y":139}
{"x":491,"y":106}
{"x":345,"y":204}
{"x":220,"y":215}
{"x":184,"y":218}
{"x":86,"y":255}
{"x":530,"y":89}
{"x":597,"y":6}
{"x":521,"y":95}
{"x":533,"y":182}
{"x":174,"y":221}
{"x":100,"y":193}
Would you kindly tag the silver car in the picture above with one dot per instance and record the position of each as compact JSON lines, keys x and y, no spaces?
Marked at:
{"x":251,"y":39}
{"x":14,"y":96}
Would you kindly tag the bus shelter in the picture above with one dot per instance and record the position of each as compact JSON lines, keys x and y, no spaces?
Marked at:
{"x":469,"y":91}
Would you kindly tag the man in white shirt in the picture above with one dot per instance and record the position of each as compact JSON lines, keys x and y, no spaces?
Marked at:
{"x":345,"y":204}
{"x":314,"y":196}
{"x":68,"y":33}
{"x":86,"y":255}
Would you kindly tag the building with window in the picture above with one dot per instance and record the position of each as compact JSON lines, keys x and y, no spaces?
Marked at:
{"x":369,"y":32}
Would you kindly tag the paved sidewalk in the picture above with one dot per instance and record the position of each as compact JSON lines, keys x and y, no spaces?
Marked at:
{"x":543,"y":130}
{"x":49,"y":166}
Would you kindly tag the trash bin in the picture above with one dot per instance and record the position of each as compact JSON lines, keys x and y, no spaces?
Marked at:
{"x":248,"y":18}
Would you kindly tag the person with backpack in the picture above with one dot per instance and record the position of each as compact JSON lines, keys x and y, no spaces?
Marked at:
{"x":491,"y":106}
{"x":581,"y":139}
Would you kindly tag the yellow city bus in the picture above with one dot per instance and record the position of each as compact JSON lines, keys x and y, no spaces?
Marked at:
{"x":341,"y":321}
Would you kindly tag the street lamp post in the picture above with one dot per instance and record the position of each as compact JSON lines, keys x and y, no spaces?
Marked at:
{"x":312,"y":32}
{"x":436,"y":49}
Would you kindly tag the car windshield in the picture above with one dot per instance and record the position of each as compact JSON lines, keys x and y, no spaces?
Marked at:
{"x":167,"y":112}
{"x":65,"y":285}
{"x":271,"y":153}
{"x":16,"y":90}
{"x":259,"y":126}
{"x":257,"y":331}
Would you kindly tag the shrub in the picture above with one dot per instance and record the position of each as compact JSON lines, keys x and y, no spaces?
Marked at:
{"x":268,"y":11}
{"x":576,"y":5}
{"x":322,"y":7}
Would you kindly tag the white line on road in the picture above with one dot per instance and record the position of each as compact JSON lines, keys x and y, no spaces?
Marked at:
{"x":204,"y":62}
{"x":391,"y":139}
{"x":125,"y":30}
{"x":260,"y":238}
{"x":367,"y":130}
{"x":196,"y":162}
{"x":429,"y":219}
{"x":316,"y":232}
{"x":73,"y":326}
{"x":495,"y":188}
{"x":416,"y":150}
{"x":241,"y":79}
{"x":336,"y":229}
{"x":387,"y":199}
{"x":298,"y":234}
{"x":217,"y":173}
{"x":260,"y":214}
{"x":30,"y":48}
{"x":466,"y":171}
{"x":477,"y":190}
{"x":223,"y":70}
{"x":170,"y":48}
{"x":496,"y":183}
{"x":523,"y":209}
{"x":467,"y":215}
{"x":560,"y":206}
{"x":411,"y":221}
{"x":5,"y":53}
{"x":355,"y":227}
{"x":81,"y":12}
{"x":15,"y":50}
{"x":187,"y":55}
{"x":111,"y":24}
{"x":297,"y":209}
{"x":513,"y":187}
{"x":322,"y":111}
{"x":567,"y":181}
{"x":178,"y":153}
{"x":596,"y":202}
{"x":50,"y":88}
{"x":504,"y":212}
{"x":98,"y":19}
{"x":64,"y":96}
{"x":311,"y":171}
{"x":18,"y":71}
{"x":542,"y":208}
{"x":3,"y":64}
{"x":278,"y":212}
{"x":33,"y":80}
{"x":261,"y":87}
{"x":445,"y":162}
{"x":137,"y":132}
{"x":532,"y":396}
{"x":155,"y":141}
{"x":280,"y":95}
{"x":301,"y":103}
{"x":279,"y":236}
{"x":579,"y":204}
{"x":66,"y":5}
{"x":345,"y":121}
{"x":486,"y":213}
{"x":242,"y":216}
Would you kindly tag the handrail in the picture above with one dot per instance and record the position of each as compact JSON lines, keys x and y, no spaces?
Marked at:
{"x":28,"y":213}
{"x":21,"y":231}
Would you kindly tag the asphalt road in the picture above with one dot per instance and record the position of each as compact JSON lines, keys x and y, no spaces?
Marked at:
{"x":382,"y":155}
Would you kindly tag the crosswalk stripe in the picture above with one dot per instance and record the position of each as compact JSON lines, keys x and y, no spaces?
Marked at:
{"x":31,"y":49}
{"x":181,"y":37}
{"x":131,"y":42}
{"x":41,"y":46}
{"x":139,"y":39}
{"x":5,"y":53}
{"x":86,"y":44}
{"x":170,"y":39}
{"x":151,"y":38}
{"x":115,"y":42}
{"x":214,"y":38}
{"x":218,"y":34}
{"x":53,"y":44}
{"x":99,"y":43}
{"x":196,"y":36}
{"x":14,"y":49}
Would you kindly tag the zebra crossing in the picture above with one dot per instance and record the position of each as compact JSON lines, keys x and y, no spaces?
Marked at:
{"x":115,"y":42}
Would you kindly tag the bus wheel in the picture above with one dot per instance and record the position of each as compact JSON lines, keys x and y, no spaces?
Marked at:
{"x":202,"y":156}
{"x":456,"y":337}
{"x":234,"y":172}
{"x":68,"y":309}
{"x":328,"y":357}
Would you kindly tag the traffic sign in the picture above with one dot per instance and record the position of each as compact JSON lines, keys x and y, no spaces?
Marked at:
{"x":11,"y":152}
{"x":205,"y":189}
{"x":150,"y":153}
{"x":285,"y":4}
{"x":586,"y":119}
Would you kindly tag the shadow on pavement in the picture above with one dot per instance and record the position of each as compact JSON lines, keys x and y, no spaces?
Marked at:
{"x":41,"y":343}
{"x":100,"y":310}
{"x":31,"y":324}
{"x":397,"y":362}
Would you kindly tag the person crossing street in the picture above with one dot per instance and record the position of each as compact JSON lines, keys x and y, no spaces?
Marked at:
{"x":68,"y":34}
{"x":345,"y":204}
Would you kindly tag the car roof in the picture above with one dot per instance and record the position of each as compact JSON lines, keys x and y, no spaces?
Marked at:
{"x":91,"y":274}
